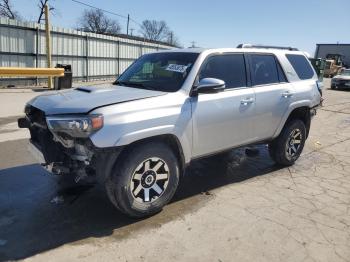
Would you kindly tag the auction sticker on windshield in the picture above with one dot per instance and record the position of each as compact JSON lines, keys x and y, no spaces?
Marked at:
{"x":177,"y":68}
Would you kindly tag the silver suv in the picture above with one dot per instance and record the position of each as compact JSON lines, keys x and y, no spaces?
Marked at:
{"x":169,"y":108}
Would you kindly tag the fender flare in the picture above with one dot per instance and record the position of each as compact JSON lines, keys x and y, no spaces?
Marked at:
{"x":144,"y":133}
{"x":291,"y":108}
{"x":184,"y":144}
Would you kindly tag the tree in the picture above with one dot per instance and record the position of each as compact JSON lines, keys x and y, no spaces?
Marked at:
{"x":97,"y":22}
{"x":172,"y":39}
{"x":7,"y":11}
{"x":41,"y":6}
{"x":154,"y":30}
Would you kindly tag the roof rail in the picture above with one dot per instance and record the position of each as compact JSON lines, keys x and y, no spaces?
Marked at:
{"x":267,"y":47}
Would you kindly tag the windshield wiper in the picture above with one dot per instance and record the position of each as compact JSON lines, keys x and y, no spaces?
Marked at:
{"x":117,"y":82}
{"x":132,"y":84}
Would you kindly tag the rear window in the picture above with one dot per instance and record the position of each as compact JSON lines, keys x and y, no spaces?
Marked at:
{"x":301,"y":66}
{"x":264,"y":69}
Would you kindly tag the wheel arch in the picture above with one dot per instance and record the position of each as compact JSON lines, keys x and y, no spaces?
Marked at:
{"x":301,"y":112}
{"x":169,"y":139}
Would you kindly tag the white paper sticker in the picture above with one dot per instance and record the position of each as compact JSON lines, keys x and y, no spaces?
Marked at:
{"x":177,"y":68}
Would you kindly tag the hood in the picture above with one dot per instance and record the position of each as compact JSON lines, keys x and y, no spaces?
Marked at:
{"x":84,"y":99}
{"x":342,"y":77}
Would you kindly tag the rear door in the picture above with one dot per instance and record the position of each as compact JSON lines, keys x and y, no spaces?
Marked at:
{"x":223,"y":120}
{"x":272,"y":91}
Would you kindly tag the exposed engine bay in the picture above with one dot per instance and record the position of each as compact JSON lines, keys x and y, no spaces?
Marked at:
{"x":63,"y":154}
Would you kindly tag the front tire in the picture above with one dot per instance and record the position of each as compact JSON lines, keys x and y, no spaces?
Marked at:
{"x":287,"y":147}
{"x":144,"y":179}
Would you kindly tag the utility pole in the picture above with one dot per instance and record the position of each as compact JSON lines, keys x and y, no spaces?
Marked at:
{"x":48,"y":43}
{"x":171,"y":38}
{"x":193,"y":44}
{"x":127,"y":25}
{"x":131,"y":31}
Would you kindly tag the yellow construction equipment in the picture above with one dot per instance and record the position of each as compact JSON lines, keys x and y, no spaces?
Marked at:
{"x":33,"y":72}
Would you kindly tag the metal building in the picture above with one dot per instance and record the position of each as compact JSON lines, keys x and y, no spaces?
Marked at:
{"x":322,"y":50}
{"x":92,"y":56}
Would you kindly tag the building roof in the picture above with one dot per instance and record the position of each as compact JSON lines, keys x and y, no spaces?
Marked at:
{"x":333,"y":44}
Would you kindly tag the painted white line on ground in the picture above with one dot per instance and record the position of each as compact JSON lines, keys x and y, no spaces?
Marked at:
{"x":10,"y":132}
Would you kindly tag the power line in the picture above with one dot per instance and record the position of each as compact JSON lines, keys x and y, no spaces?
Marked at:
{"x":108,"y":12}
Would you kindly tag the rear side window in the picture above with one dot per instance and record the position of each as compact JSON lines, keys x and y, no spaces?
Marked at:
{"x":301,"y":66}
{"x":229,"y":68}
{"x":281,"y":75}
{"x":264,"y":69}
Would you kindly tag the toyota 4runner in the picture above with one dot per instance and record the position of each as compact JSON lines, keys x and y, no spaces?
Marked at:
{"x":169,"y":108}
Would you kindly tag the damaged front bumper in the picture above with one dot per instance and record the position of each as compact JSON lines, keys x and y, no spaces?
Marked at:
{"x":64,"y":155}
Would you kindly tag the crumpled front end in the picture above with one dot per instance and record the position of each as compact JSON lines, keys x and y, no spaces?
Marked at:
{"x":61,"y":153}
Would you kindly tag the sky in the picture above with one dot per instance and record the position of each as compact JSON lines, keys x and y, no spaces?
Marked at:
{"x":222,"y":23}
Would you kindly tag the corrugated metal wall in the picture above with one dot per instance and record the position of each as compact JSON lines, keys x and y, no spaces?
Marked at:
{"x":92,"y":56}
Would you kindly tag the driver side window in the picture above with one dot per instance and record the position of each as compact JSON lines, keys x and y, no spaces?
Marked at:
{"x":229,"y":68}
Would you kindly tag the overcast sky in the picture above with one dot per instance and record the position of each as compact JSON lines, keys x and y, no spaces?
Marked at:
{"x":225,"y":23}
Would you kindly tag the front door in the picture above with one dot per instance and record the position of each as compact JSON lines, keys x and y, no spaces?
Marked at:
{"x":223,"y":120}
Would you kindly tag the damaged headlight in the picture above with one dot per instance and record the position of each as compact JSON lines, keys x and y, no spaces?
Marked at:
{"x":75,"y":126}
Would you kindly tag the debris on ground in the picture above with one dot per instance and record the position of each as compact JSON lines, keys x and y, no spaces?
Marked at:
{"x":57,"y":200}
{"x":318,"y":143}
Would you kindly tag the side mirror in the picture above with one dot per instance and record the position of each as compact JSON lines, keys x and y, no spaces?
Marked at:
{"x":210,"y":86}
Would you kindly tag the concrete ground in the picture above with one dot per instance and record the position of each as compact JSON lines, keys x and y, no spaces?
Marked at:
{"x":244,"y":209}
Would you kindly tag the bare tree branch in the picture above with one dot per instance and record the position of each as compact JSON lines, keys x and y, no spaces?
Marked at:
{"x":154,"y":30}
{"x":158,"y":31}
{"x":41,"y":6}
{"x":7,"y":11}
{"x":97,"y":22}
{"x":172,"y":39}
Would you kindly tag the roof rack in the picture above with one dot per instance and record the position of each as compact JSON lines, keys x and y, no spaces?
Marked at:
{"x":267,"y":47}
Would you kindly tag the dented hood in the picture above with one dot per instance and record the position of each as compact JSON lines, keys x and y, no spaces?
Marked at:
{"x":84,"y":99}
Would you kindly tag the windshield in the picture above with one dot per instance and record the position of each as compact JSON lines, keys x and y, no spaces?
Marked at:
{"x":159,"y":71}
{"x":345,"y":73}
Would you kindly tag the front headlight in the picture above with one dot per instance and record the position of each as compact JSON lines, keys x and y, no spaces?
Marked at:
{"x":75,"y":126}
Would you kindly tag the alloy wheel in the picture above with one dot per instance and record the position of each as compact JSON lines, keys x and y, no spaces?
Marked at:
{"x":293,"y":143}
{"x":149,"y":180}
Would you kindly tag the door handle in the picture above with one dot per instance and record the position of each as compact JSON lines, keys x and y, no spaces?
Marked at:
{"x":287,"y":94}
{"x":247,"y":101}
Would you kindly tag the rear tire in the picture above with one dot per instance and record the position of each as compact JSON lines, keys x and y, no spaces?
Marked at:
{"x":287,"y":147}
{"x":144,"y":179}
